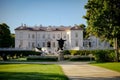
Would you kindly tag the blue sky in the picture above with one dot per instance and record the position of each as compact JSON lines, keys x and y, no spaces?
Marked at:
{"x":45,"y":12}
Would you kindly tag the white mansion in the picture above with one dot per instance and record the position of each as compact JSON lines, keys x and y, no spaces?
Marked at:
{"x":46,"y":38}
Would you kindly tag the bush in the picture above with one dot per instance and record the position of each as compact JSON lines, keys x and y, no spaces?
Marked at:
{"x":43,"y":58}
{"x":73,"y":52}
{"x":100,"y":55}
{"x":81,"y":58}
{"x":16,"y":54}
{"x":104,"y":55}
{"x":80,"y":52}
{"x":66,"y":52}
{"x":67,"y":57}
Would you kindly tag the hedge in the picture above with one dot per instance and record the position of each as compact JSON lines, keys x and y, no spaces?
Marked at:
{"x":81,"y":58}
{"x":99,"y":55}
{"x":5,"y":54}
{"x":42,"y":58}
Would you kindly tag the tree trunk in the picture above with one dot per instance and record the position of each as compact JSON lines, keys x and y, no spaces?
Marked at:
{"x":116,"y":49}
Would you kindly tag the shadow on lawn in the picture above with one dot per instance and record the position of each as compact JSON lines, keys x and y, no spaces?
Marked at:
{"x":30,"y":76}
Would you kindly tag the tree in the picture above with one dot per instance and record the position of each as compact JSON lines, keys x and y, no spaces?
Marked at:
{"x":12,"y":40}
{"x":103,"y":20}
{"x":5,"y":36}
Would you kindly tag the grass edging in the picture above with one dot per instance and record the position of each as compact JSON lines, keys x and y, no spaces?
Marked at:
{"x":115,"y":66}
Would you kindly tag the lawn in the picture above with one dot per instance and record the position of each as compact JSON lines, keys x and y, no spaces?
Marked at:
{"x":31,"y":72}
{"x":113,"y":66}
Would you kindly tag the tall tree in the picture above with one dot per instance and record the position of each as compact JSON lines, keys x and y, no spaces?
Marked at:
{"x":103,"y":20}
{"x":5,"y":36}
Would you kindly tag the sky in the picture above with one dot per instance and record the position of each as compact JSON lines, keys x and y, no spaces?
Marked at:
{"x":42,"y":12}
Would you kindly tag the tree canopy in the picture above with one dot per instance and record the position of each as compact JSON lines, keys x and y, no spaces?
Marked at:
{"x":5,"y":36}
{"x":103,"y":19}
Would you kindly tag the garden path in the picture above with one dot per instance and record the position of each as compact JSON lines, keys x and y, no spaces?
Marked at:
{"x":85,"y":71}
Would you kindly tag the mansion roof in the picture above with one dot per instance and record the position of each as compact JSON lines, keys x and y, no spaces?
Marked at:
{"x":49,"y":28}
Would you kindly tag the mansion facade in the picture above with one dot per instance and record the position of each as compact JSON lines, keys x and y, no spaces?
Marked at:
{"x":46,"y":38}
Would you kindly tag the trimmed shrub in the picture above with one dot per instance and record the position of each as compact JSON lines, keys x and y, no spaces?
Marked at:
{"x":12,"y":54}
{"x":80,"y":52}
{"x":100,"y":55}
{"x":73,"y":52}
{"x":67,"y":57}
{"x":66,"y":52}
{"x":42,"y":58}
{"x":81,"y":58}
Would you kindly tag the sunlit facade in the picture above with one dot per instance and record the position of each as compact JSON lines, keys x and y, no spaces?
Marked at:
{"x":46,"y":37}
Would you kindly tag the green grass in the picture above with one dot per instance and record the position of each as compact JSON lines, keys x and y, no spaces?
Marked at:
{"x":31,"y":72}
{"x":113,"y":66}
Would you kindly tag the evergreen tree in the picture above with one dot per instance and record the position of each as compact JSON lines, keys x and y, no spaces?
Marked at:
{"x":5,"y":36}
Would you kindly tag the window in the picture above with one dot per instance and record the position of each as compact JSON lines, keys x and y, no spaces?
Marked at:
{"x":76,"y":35}
{"x":65,"y":45}
{"x":64,"y":36}
{"x":28,"y":44}
{"x":38,"y":45}
{"x":43,"y":35}
{"x":68,"y":36}
{"x":21,"y":35}
{"x":33,"y":36}
{"x":76,"y":43}
{"x":39,"y":36}
{"x":58,"y":35}
{"x":21,"y":43}
{"x":28,"y":35}
{"x":48,"y":36}
{"x":33,"y":44}
{"x":54,"y":36}
{"x":43,"y":44}
{"x":89,"y":44}
{"x":48,"y":44}
{"x":53,"y":44}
